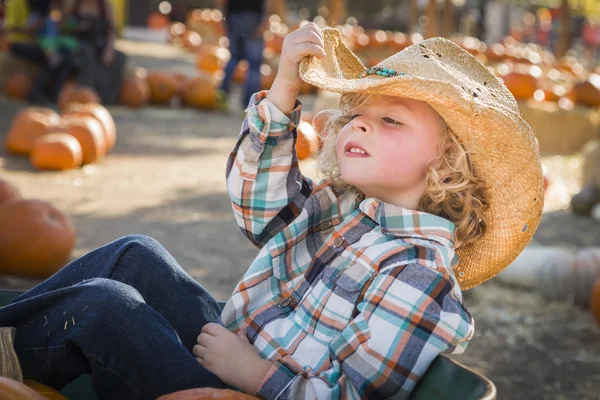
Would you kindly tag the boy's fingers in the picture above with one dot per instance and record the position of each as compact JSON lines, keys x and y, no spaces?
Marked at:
{"x":204,"y":339}
{"x":310,"y":49}
{"x":312,"y":37}
{"x":212,"y":329}
{"x":199,"y":351}
{"x":243,"y":336}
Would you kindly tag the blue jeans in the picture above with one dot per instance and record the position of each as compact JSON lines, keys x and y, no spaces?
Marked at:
{"x":244,"y":45}
{"x":125,"y":313}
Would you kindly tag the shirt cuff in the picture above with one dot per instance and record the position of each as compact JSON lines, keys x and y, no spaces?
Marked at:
{"x":276,"y":381}
{"x":266,"y":120}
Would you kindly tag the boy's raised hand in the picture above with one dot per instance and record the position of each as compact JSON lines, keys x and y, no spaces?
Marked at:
{"x":303,"y":42}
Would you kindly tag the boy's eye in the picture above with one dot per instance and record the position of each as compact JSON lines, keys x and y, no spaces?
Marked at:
{"x":391,"y":121}
{"x":354,"y":116}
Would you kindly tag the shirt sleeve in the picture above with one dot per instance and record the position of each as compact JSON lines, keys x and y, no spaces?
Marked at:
{"x":264,"y":182}
{"x":408,"y":316}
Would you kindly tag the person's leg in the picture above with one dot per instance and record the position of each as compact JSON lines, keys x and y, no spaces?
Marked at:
{"x":27,"y":51}
{"x":109,"y":78}
{"x":84,"y":62}
{"x":105,"y":328}
{"x":253,"y":50}
{"x":235,"y":48}
{"x":142,"y":263}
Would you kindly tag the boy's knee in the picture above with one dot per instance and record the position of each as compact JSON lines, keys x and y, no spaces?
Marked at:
{"x":111,"y":296}
{"x":141,"y":243}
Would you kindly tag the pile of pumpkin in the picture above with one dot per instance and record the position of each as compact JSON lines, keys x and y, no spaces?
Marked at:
{"x":139,"y":88}
{"x":82,"y":134}
{"x":36,"y":239}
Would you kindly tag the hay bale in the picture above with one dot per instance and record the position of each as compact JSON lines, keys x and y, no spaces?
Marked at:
{"x":10,"y":64}
{"x":561,"y":131}
{"x":591,"y":163}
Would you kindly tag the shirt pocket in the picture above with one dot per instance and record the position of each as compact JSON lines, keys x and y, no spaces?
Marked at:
{"x":328,"y":306}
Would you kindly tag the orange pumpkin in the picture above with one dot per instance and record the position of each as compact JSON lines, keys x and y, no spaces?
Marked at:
{"x":200,"y":92}
{"x":163,"y":87}
{"x":157,"y":21}
{"x":56,"y":151}
{"x":17,"y":85}
{"x":13,"y":390}
{"x":595,"y":301}
{"x":101,"y":114}
{"x":307,"y":142}
{"x":89,"y":134}
{"x":35,"y":238}
{"x":46,"y":391}
{"x":212,"y":58}
{"x":8,"y":192}
{"x":521,"y":85}
{"x":135,"y":90}
{"x":181,"y":80}
{"x":27,"y":126}
{"x":586,"y":93}
{"x":207,"y":394}
{"x":76,"y":94}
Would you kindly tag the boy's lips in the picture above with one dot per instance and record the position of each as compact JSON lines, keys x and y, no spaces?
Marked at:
{"x":353,"y":145}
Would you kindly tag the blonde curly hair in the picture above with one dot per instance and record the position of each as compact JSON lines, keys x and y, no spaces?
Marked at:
{"x":454,"y":190}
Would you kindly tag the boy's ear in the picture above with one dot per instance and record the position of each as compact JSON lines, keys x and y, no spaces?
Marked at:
{"x":322,"y":117}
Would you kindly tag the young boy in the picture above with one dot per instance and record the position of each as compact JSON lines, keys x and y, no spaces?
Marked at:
{"x":433,"y":185}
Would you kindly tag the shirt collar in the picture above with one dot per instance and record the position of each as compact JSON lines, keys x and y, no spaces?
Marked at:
{"x":404,"y":223}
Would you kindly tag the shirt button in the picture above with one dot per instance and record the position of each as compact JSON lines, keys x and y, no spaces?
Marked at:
{"x":339,"y":242}
{"x":284,"y":301}
{"x":325,"y":225}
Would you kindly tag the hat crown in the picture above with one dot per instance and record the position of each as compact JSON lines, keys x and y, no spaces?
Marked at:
{"x":435,"y":59}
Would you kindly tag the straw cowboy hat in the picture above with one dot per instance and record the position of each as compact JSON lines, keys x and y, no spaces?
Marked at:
{"x":485,"y":117}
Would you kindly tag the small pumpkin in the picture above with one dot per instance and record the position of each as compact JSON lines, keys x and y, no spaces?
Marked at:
{"x":35,"y":238}
{"x":46,"y":391}
{"x":17,"y":85}
{"x":207,"y":394}
{"x":89,"y":134}
{"x":201,"y":91}
{"x":77,"y":94}
{"x":212,"y":58}
{"x":27,"y":126}
{"x":157,"y":21}
{"x":163,"y":87}
{"x":587,"y":92}
{"x":8,"y":192}
{"x":521,"y":85}
{"x":57,"y":151}
{"x":135,"y":90}
{"x":102,"y":115}
{"x":307,"y":142}
{"x":13,"y":390}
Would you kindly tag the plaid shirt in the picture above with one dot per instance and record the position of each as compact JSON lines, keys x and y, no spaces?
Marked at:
{"x":349,"y":297}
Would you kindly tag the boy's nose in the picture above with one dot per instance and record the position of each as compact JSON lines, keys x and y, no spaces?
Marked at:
{"x":359,"y":123}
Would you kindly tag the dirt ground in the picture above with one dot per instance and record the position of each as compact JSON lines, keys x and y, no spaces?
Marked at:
{"x":165,"y":178}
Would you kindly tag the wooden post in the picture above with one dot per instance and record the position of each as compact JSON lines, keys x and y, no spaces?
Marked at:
{"x":448,"y":20}
{"x":564,"y":30}
{"x":337,"y":12}
{"x":432,"y":28}
{"x":413,"y":15}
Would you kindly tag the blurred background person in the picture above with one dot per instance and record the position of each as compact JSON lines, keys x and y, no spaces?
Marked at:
{"x":100,"y":65}
{"x":246,"y":22}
